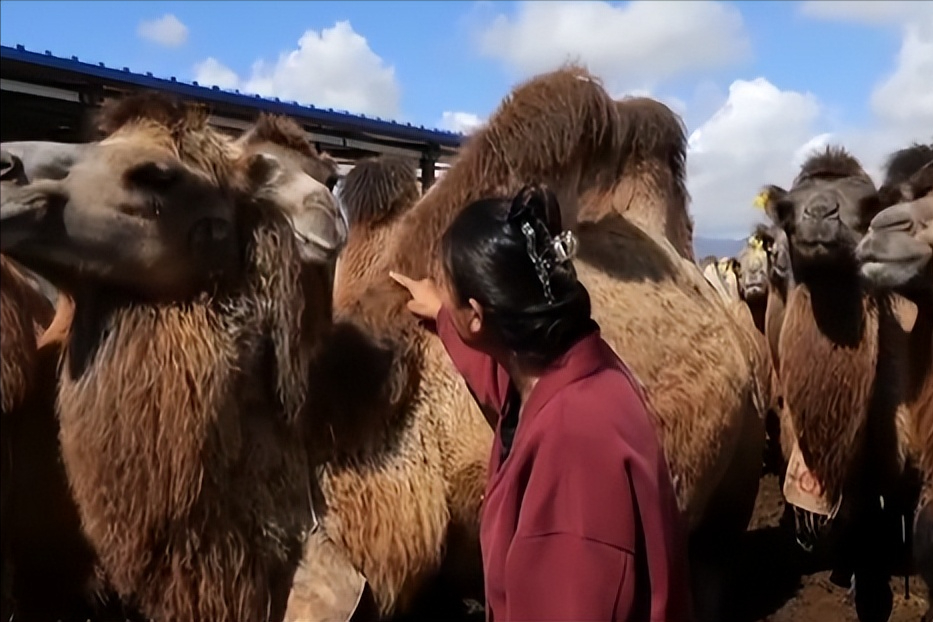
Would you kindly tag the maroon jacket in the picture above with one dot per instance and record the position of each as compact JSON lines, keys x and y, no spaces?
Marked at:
{"x":580,"y":521}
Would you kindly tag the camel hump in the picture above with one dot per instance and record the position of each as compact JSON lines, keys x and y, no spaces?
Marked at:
{"x":905,"y":163}
{"x":833,"y":162}
{"x":550,"y":123}
{"x":654,"y":132}
{"x":379,"y":189}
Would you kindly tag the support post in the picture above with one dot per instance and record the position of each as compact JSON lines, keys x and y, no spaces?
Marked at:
{"x":428,"y":160}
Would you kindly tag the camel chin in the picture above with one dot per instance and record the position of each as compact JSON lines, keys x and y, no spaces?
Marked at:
{"x":892,"y":275}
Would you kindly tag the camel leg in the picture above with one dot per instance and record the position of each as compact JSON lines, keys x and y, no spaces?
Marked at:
{"x":715,"y":543}
{"x":874,"y":600}
{"x":923,"y":547}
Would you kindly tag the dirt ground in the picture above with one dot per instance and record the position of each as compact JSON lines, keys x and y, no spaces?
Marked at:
{"x":775,"y":589}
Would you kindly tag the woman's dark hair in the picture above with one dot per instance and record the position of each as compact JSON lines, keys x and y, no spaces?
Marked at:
{"x":511,"y":256}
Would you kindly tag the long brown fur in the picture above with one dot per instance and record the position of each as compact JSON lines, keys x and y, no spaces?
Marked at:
{"x":831,"y":163}
{"x":178,"y":422}
{"x":652,"y":190}
{"x":379,"y":189}
{"x":22,"y":308}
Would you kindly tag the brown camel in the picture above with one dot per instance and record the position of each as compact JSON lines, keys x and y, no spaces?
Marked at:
{"x":375,"y":193}
{"x":423,"y":473}
{"x":290,"y":173}
{"x":183,"y":385}
{"x":840,"y":354}
{"x":651,"y":189}
{"x":897,"y":255}
{"x":23,"y":312}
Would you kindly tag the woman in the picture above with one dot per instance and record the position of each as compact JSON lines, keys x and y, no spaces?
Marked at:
{"x":579,"y":519}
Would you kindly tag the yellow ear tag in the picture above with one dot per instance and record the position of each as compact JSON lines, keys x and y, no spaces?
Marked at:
{"x":756,"y":243}
{"x":761,"y":200}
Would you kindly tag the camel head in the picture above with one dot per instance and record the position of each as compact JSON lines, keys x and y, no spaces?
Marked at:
{"x":151,"y":210}
{"x":908,"y":175}
{"x":753,"y":265}
{"x":897,"y":252}
{"x":826,"y":211}
{"x":779,"y":272}
{"x":45,"y":159}
{"x":287,"y":170}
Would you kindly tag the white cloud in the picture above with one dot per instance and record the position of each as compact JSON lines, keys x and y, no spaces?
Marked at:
{"x":636,"y":46}
{"x":751,"y":140}
{"x":464,"y":122}
{"x":333,"y":68}
{"x":870,"y":13}
{"x":906,"y":96}
{"x":167,"y":30}
{"x":761,"y":134}
{"x":211,"y":72}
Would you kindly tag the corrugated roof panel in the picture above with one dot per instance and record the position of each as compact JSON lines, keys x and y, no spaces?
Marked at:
{"x":214,"y":94}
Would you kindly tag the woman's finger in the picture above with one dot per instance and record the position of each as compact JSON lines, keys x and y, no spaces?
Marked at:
{"x":401,"y":279}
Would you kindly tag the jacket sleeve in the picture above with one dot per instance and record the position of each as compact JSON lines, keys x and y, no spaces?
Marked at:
{"x":486,"y":379}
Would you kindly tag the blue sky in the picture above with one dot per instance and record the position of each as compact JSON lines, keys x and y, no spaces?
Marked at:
{"x":415,"y":61}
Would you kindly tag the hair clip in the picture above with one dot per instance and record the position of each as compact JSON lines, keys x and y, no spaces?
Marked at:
{"x":540,"y":263}
{"x":564,"y":246}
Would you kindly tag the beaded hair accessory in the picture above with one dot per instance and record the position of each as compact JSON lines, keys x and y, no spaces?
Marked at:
{"x":559,"y":250}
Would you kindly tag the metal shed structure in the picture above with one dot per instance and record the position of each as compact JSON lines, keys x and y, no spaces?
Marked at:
{"x":47,"y":97}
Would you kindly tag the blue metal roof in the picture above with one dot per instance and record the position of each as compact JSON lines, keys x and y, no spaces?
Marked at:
{"x":214,"y":94}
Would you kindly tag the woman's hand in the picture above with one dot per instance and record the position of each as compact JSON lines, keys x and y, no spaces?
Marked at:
{"x":426,"y":298}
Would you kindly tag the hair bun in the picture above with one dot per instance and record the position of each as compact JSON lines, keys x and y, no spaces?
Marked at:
{"x":536,"y":204}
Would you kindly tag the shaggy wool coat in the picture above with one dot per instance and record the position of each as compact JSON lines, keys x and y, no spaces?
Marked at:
{"x":580,"y":521}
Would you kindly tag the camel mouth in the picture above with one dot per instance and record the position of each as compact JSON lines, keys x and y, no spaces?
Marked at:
{"x":755,"y":291}
{"x":894,"y":274}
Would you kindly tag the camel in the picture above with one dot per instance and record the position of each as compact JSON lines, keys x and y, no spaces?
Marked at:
{"x":840,"y":352}
{"x":182,"y":396}
{"x":375,"y":193}
{"x":428,"y":446}
{"x":23,"y":313}
{"x":897,"y":255}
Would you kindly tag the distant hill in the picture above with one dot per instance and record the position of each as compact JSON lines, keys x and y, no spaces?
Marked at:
{"x":716,"y":246}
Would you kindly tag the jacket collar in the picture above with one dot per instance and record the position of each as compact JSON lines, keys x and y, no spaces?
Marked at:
{"x":584,"y":358}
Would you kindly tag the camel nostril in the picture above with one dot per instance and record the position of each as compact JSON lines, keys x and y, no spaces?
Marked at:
{"x":822,"y":211}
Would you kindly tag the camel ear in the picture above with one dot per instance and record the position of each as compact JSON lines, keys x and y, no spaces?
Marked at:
{"x":11,"y":168}
{"x":768,"y":200}
{"x":263,"y":169}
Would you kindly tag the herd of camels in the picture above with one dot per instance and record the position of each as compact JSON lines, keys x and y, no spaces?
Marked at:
{"x":227,"y":414}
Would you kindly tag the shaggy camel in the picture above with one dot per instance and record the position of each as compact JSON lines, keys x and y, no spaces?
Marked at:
{"x":182,"y":392}
{"x":23,"y":313}
{"x":840,"y":354}
{"x":428,"y":449}
{"x":897,"y":255}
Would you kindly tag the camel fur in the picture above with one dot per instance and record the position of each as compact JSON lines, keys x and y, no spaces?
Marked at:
{"x":697,"y":365}
{"x":651,"y":189}
{"x":181,"y":422}
{"x":22,"y":309}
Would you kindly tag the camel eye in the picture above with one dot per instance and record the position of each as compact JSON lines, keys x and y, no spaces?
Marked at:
{"x":154,"y":176}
